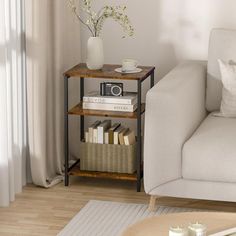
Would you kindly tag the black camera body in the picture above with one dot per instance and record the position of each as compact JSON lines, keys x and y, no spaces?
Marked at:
{"x":111,"y":89}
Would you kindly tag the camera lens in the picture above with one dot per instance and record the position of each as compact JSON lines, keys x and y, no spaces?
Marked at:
{"x":116,"y":90}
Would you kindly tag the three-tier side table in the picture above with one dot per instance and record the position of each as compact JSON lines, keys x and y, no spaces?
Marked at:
{"x":82,"y":72}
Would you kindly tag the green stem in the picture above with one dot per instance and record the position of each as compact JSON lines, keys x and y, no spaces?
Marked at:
{"x":99,"y":18}
{"x":80,"y":19}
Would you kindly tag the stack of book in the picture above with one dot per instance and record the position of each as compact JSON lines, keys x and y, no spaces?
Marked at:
{"x":126,"y":103}
{"x":107,"y":133}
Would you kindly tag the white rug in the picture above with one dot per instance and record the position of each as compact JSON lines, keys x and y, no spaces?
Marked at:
{"x":100,"y":218}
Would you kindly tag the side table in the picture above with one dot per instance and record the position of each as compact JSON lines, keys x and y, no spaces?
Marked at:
{"x":82,"y":72}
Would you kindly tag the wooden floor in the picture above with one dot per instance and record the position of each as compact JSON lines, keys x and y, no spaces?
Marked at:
{"x":39,"y":211}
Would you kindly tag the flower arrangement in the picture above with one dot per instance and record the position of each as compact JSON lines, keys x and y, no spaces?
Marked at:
{"x":95,"y":20}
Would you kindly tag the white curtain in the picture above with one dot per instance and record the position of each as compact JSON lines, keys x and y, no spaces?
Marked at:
{"x":52,"y":46}
{"x":13,"y":142}
{"x":31,"y":115}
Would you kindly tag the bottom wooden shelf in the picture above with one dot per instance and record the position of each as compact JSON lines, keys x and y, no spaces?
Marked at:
{"x":75,"y":171}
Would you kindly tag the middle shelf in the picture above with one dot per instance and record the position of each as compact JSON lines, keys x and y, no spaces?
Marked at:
{"x":78,"y":110}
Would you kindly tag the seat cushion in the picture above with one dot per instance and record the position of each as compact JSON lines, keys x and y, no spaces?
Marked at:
{"x":210,"y":154}
{"x":222,"y":46}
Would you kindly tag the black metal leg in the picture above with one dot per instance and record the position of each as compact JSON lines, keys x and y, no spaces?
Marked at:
{"x":81,"y":117}
{"x":139,"y":141}
{"x":66,"y":130}
{"x":152,"y":80}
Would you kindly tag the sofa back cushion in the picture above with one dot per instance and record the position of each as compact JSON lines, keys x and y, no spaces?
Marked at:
{"x":222,"y":46}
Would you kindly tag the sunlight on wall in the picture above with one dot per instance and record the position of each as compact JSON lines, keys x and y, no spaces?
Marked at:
{"x":187,"y":20}
{"x":166,"y":30}
{"x":189,"y":23}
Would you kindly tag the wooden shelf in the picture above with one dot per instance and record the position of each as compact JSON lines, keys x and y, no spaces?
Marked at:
{"x":104,"y":175}
{"x":108,"y":72}
{"x":78,"y":110}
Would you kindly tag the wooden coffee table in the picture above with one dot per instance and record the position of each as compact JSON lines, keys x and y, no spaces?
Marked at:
{"x":159,"y":225}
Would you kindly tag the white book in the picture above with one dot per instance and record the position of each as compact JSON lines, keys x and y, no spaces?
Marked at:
{"x":129,"y":138}
{"x":116,"y":134}
{"x":104,"y":126}
{"x":109,"y":107}
{"x":95,"y":135}
{"x":129,"y":98}
{"x":121,"y":136}
{"x":111,"y":132}
{"x":90,"y":130}
{"x":106,"y":137}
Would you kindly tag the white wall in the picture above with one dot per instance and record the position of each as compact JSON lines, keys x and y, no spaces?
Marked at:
{"x":166,"y":31}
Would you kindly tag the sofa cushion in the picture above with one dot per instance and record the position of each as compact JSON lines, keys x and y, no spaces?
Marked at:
{"x":222,"y":46}
{"x":228,"y":77}
{"x":210,"y":154}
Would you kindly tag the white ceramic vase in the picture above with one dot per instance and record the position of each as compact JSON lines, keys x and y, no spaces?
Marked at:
{"x":95,"y":54}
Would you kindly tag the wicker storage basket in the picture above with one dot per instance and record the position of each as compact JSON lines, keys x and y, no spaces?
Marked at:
{"x":108,"y":158}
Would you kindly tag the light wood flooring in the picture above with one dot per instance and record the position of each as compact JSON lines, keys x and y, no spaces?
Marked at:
{"x":43,"y":212}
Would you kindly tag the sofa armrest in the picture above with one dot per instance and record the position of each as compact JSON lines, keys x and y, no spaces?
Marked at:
{"x":174,"y":110}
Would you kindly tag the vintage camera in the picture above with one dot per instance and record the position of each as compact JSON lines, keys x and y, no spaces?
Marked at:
{"x":111,"y":89}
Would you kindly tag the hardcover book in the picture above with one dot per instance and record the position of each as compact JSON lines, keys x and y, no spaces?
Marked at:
{"x":95,"y":135}
{"x":121,"y":136}
{"x":109,"y":107}
{"x":111,"y":132}
{"x":106,"y":137}
{"x":129,"y":98}
{"x":116,"y":134}
{"x":129,"y":138}
{"x":91,"y":131}
{"x":104,"y":126}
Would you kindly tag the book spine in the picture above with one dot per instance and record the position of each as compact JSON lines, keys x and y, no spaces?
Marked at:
{"x":126,"y":140}
{"x":100,"y":135}
{"x":109,"y":107}
{"x":116,"y":138}
{"x":110,"y":100}
{"x":90,"y":135}
{"x":95,"y":135}
{"x":111,"y":137}
{"x":106,"y":141}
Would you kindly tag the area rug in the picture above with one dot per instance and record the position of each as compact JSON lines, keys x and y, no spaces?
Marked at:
{"x":103,"y":218}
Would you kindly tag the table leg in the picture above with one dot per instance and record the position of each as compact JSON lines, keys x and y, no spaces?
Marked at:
{"x":81,"y":117}
{"x":152,"y":79}
{"x":139,"y":137}
{"x":66,"y":141}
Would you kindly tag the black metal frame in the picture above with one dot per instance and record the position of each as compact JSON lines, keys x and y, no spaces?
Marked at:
{"x":139,"y":127}
{"x":66,"y":131}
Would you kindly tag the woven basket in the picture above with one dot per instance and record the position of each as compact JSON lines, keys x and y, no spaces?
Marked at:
{"x":108,"y":158}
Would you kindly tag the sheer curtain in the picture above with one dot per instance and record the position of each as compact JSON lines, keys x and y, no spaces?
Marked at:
{"x":35,"y":125}
{"x":52,"y":46}
{"x":13,"y":142}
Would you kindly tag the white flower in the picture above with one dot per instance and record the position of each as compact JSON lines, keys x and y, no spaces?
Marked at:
{"x":95,"y":20}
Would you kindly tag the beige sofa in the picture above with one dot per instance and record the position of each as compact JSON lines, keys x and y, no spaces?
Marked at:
{"x":189,"y":152}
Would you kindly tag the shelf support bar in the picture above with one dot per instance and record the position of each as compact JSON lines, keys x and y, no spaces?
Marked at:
{"x":81,"y":117}
{"x":139,"y":135}
{"x":66,"y":141}
{"x":152,"y":79}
